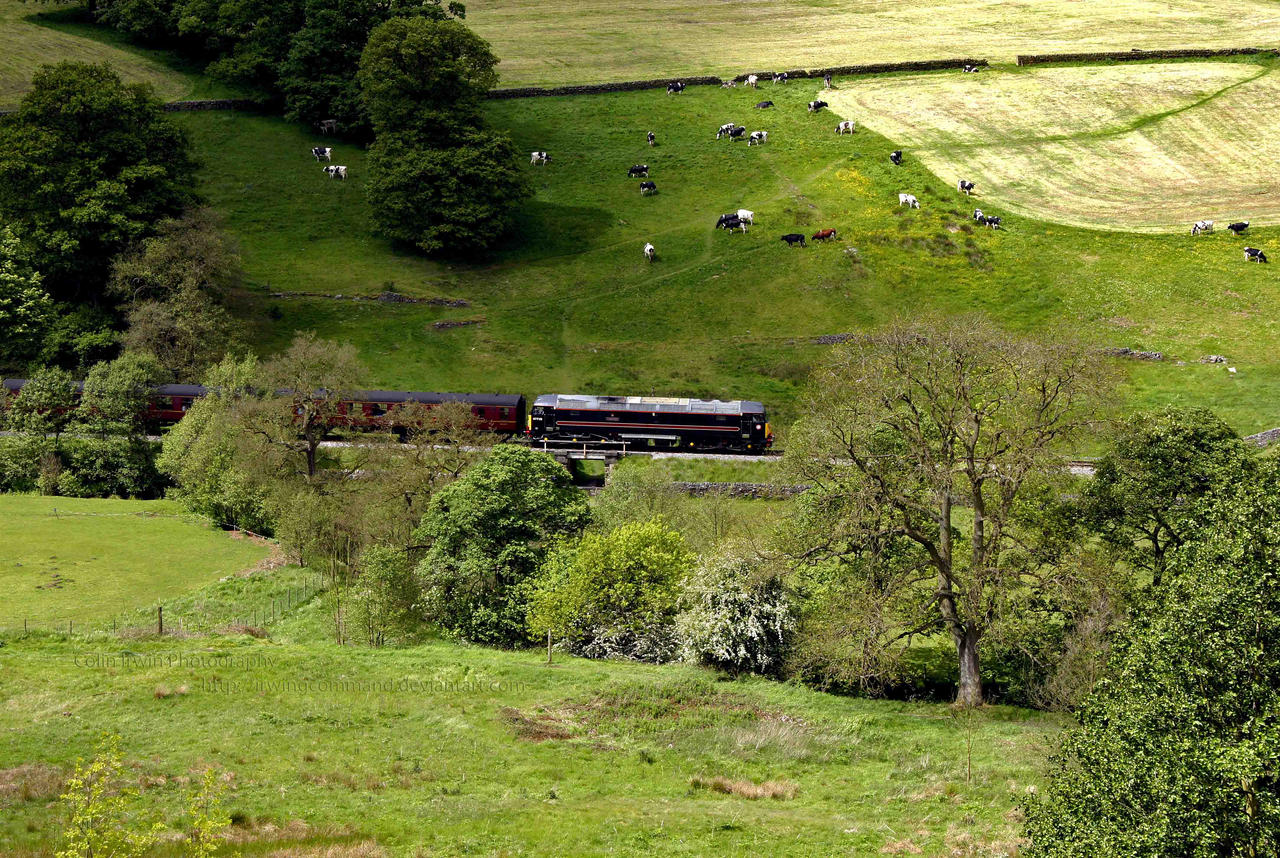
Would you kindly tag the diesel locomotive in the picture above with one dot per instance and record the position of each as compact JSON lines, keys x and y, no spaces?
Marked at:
{"x":652,"y":422}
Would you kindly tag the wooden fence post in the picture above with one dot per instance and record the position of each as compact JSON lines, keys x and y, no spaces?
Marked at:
{"x":160,"y":619}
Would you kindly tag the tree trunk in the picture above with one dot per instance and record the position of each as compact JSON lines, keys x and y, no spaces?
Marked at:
{"x":969,"y":694}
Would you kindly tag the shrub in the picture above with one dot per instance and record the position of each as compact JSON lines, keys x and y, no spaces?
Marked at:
{"x":614,"y":595}
{"x":737,"y":617}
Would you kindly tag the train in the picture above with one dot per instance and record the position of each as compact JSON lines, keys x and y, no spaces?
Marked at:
{"x":632,"y":422}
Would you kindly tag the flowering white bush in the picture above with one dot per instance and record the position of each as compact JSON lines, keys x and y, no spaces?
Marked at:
{"x":736,"y":616}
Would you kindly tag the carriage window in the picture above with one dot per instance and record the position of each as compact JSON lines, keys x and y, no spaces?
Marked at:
{"x":504,"y":412}
{"x":377,"y":409}
{"x":164,"y":401}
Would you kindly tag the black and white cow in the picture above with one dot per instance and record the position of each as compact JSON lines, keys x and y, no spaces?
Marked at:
{"x":540,"y":158}
{"x":725,"y":129}
{"x":1201,"y":226}
{"x":653,"y":138}
{"x":675,"y":88}
{"x":731,"y":222}
{"x":990,"y":221}
{"x":971,"y":69}
{"x":737,"y":132}
{"x":322,"y":153}
{"x":335,"y":171}
{"x":1253,"y":254}
{"x":780,"y":77}
{"x":896,"y":157}
{"x":758,"y":137}
{"x":845,"y":127}
{"x":764,"y":105}
{"x":826,"y":81}
{"x":649,"y":252}
{"x":1238,"y":228}
{"x":909,"y":201}
{"x":794,"y":238}
{"x":977,"y":214}
{"x":639,"y":170}
{"x":647,"y":188}
{"x":815,"y":106}
{"x":965,"y":187}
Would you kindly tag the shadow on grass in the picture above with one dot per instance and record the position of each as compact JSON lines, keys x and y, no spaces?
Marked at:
{"x":546,"y":230}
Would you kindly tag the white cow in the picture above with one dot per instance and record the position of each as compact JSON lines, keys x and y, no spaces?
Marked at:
{"x":747,"y":216}
{"x":540,"y":158}
{"x":1201,"y":226}
{"x":908,"y":200}
{"x":758,"y":137}
{"x":752,"y":80}
{"x":845,"y":127}
{"x":336,"y":171}
{"x":649,"y":252}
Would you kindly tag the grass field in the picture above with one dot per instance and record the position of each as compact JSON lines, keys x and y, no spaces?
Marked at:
{"x":1152,"y":147}
{"x":86,"y":560}
{"x":35,"y":33}
{"x":584,"y":41}
{"x":569,"y":304}
{"x":461,"y":751}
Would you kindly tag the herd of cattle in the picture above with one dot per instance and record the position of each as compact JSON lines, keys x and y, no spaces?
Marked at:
{"x":1251,"y":254}
{"x":743,"y":218}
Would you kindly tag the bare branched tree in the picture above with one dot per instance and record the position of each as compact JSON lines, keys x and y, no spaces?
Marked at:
{"x":945,"y":435}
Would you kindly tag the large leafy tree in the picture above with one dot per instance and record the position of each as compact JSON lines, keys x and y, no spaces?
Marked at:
{"x":25,"y":308}
{"x":486,"y":536}
{"x":426,"y":77}
{"x":88,"y":165}
{"x":1147,"y":489}
{"x":946,"y":437}
{"x":1178,"y":751}
{"x":457,"y":200}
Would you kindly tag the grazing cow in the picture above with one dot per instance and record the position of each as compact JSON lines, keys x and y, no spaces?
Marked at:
{"x":764,"y":105}
{"x":971,"y":69}
{"x":540,"y":158}
{"x":641,"y":170}
{"x":746,"y":216}
{"x":647,"y":188}
{"x":896,"y":157}
{"x":328,"y":126}
{"x":1201,"y":226}
{"x":781,"y":77}
{"x":649,"y":252}
{"x":675,"y":88}
{"x":752,"y":79}
{"x":815,"y":106}
{"x":824,"y":235}
{"x":729,"y":84}
{"x":731,"y":222}
{"x":737,"y":131}
{"x":793,"y":238}
{"x":977,"y":214}
{"x":990,"y":220}
{"x":758,"y":137}
{"x":335,"y":172}
{"x":1238,"y":228}
{"x":1253,"y":254}
{"x":653,"y":138}
{"x":908,"y":200}
{"x":322,"y":153}
{"x":725,"y":129}
{"x":965,"y":187}
{"x":845,"y":127}
{"x":826,"y":81}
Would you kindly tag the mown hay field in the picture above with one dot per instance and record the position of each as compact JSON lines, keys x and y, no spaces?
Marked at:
{"x":1148,"y":147}
{"x":584,"y":41}
{"x":78,"y":560}
{"x":32,"y":34}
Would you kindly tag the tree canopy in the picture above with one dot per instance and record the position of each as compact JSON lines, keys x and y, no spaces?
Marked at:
{"x":1178,"y":750}
{"x":88,"y":165}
